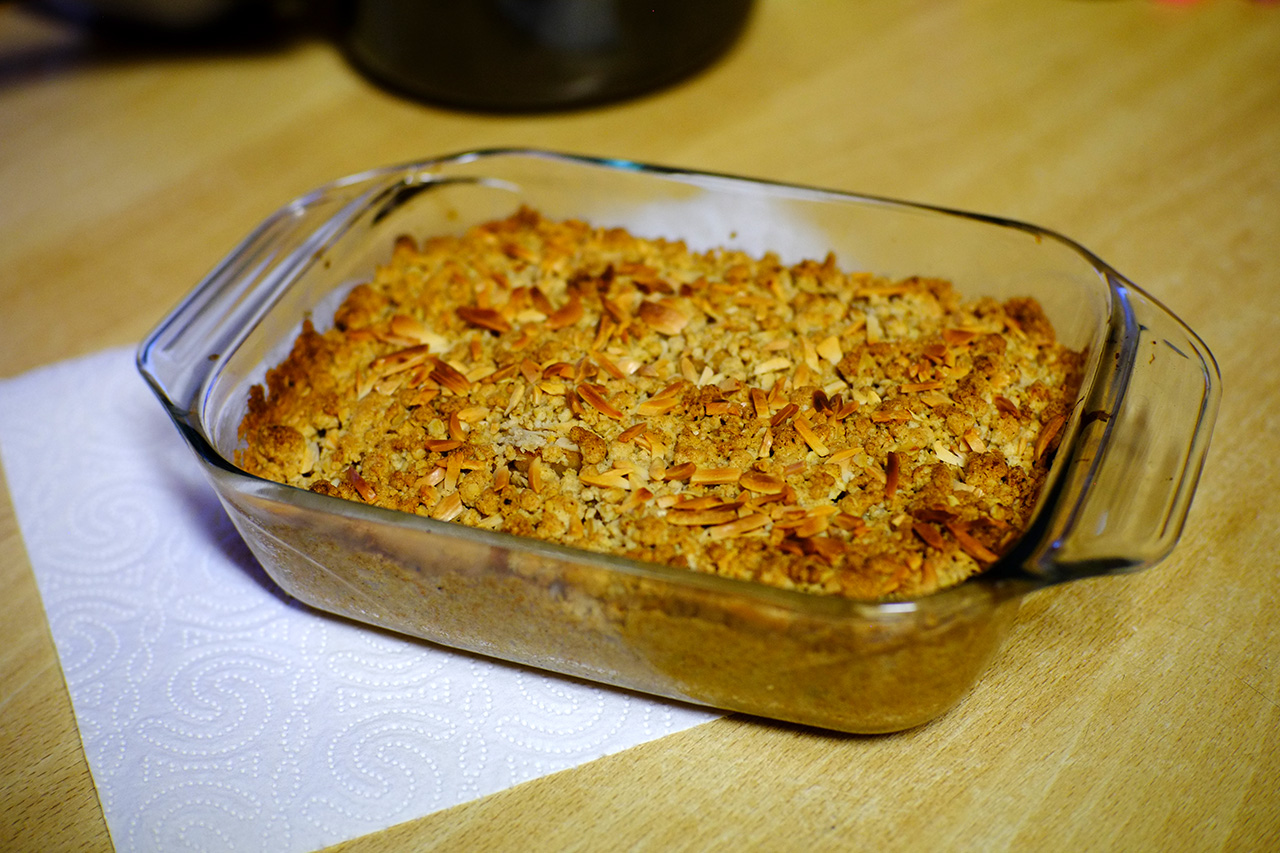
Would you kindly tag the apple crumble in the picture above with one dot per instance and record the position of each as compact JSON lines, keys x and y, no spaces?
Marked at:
{"x":795,"y":425}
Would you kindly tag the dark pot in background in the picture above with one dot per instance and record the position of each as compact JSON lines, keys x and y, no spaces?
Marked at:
{"x":527,"y":55}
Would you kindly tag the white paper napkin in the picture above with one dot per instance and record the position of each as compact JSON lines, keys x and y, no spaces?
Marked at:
{"x":218,"y":714}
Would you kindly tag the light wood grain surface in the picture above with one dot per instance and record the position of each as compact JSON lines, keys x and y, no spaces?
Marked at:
{"x":1133,"y":713}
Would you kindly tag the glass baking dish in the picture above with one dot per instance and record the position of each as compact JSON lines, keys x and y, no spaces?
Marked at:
{"x":1115,"y":499}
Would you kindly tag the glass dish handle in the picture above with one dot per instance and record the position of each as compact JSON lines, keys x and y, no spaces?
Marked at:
{"x":180,"y":354}
{"x":1144,"y":435}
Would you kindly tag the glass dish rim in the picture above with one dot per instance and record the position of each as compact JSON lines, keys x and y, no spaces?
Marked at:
{"x":1003,"y":579}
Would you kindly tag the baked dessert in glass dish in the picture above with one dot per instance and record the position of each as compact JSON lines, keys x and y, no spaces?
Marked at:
{"x":773,"y":449}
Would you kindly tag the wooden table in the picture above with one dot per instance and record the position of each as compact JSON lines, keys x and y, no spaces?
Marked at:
{"x":1126,"y":713}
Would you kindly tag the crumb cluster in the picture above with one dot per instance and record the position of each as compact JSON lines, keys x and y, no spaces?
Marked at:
{"x":799,"y":426}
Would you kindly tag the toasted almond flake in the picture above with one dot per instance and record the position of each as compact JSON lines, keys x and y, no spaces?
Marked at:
{"x":562,"y":369}
{"x":632,"y":431}
{"x":958,"y":337}
{"x":783,"y":414}
{"x":473,"y":414}
{"x":802,"y":375}
{"x":637,"y":498}
{"x":501,"y":479}
{"x":885,"y":416}
{"x":929,"y":534}
{"x":400,"y":360}
{"x":772,"y":364}
{"x":503,"y":373}
{"x":657,"y":406}
{"x":662,"y":317}
{"x":485,"y":318}
{"x":680,"y":472}
{"x":449,"y":508}
{"x":628,"y":365}
{"x":362,"y":487}
{"x":614,"y":310}
{"x":765,"y":484}
{"x":441,"y":445}
{"x":535,"y":474}
{"x":609,"y":366}
{"x":846,"y":521}
{"x":540,"y":300}
{"x":611,"y":479}
{"x":719,"y":407}
{"x":456,"y":431}
{"x":551,"y":387}
{"x":517,"y":394}
{"x":407,"y":328}
{"x":688,"y":371}
{"x":811,"y":438}
{"x":975,"y":442}
{"x":946,"y":455}
{"x":875,"y":334}
{"x":971,"y":546}
{"x":701,"y":518}
{"x":793,"y":469}
{"x":738,"y":527}
{"x":759,"y":402}
{"x":827,"y":548}
{"x":842,"y":455}
{"x":1007,"y":406}
{"x":766,"y":445}
{"x":529,"y":315}
{"x":452,"y":468}
{"x":1048,"y":433}
{"x":596,"y":400}
{"x":530,"y":370}
{"x":829,"y":349}
{"x":704,"y":502}
{"x":390,"y":385}
{"x":810,"y":355}
{"x":912,"y":387}
{"x":714,"y":476}
{"x":448,"y":376}
{"x":811,"y":526}
{"x":566,"y":315}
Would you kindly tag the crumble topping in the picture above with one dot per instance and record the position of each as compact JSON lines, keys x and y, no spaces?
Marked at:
{"x":800,"y":426}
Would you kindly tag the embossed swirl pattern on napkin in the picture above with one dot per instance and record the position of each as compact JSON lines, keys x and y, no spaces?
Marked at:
{"x":215,"y":712}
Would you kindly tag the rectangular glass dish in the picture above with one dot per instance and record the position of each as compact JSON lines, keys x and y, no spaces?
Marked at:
{"x":1115,"y":498}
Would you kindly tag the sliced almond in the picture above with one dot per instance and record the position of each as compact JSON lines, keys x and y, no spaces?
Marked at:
{"x":566,"y":315}
{"x":596,"y":400}
{"x":701,"y":517}
{"x":971,"y":546}
{"x":662,"y":317}
{"x":362,"y":487}
{"x":772,"y":365}
{"x":485,"y":318}
{"x":714,"y":476}
{"x":738,"y":527}
{"x":765,"y":484}
{"x":811,"y":438}
{"x":449,"y":508}
{"x":680,"y":472}
{"x":829,"y":349}
{"x":611,"y":479}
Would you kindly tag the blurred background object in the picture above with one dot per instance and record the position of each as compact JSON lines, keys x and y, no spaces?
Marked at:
{"x":491,"y":55}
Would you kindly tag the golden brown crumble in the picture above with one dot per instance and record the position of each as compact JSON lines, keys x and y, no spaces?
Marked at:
{"x":798,"y":426}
